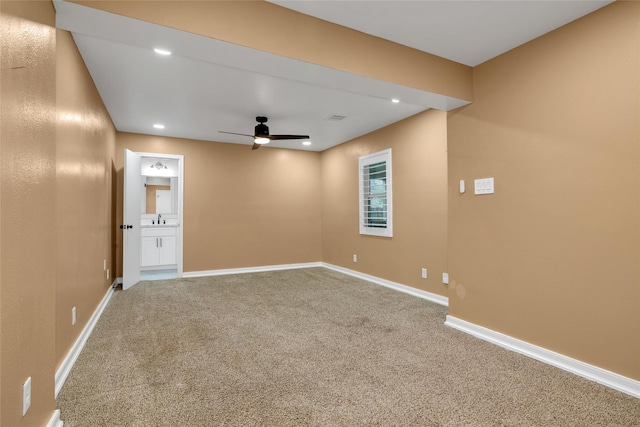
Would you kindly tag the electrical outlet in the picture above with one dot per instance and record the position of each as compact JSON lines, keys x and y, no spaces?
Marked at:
{"x":355,"y":258}
{"x":424,"y":273}
{"x":445,"y":278}
{"x":26,"y":396}
{"x":73,"y":316}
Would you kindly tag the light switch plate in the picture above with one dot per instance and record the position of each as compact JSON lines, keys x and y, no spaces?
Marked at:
{"x":483,"y":186}
{"x":26,"y":396}
{"x":445,"y":278}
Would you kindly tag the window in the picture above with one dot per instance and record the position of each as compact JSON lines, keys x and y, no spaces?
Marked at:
{"x":375,"y":194}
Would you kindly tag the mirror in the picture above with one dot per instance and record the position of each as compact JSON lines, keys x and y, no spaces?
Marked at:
{"x":159,"y":177}
{"x":159,"y":195}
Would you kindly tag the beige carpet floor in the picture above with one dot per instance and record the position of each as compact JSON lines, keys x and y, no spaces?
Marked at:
{"x":310,"y":347}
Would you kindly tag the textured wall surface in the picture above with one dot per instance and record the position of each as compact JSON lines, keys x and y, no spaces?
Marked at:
{"x":419,"y":163}
{"x":553,"y":257}
{"x":85,"y":153}
{"x":57,"y":150}
{"x":27,"y":210}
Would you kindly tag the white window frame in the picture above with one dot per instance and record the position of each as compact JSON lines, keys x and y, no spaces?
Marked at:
{"x":364,"y":194}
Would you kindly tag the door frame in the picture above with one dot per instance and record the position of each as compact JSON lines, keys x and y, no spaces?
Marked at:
{"x":180,"y":206}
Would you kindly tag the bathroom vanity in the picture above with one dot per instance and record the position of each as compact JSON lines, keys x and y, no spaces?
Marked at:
{"x":158,"y":246}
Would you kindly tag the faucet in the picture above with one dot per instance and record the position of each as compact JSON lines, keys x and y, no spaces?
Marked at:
{"x":159,"y":216}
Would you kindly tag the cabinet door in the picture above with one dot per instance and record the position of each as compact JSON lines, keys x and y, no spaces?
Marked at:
{"x":167,"y":250}
{"x":149,"y":253}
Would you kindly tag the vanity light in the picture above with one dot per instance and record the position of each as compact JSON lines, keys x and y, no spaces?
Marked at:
{"x":158,"y":126}
{"x":162,"y":51}
{"x":158,"y":165}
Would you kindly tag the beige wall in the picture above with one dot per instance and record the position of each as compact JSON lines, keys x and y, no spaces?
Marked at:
{"x":85,"y":149}
{"x":271,"y":28}
{"x":242,"y":208}
{"x":56,"y":154}
{"x":419,"y":163}
{"x":553,"y":257}
{"x":27,"y":210}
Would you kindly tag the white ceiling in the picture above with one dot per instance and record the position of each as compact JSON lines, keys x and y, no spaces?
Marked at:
{"x":206,"y":85}
{"x":469,"y":31}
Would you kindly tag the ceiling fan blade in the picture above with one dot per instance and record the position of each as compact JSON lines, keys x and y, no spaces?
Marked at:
{"x":262,"y":132}
{"x":278,"y":137}
{"x":233,"y":133}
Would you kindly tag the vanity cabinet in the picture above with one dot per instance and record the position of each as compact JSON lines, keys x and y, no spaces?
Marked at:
{"x":158,"y":246}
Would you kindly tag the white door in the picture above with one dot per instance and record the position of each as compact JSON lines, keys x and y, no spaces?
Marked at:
{"x":131,"y":219}
{"x":163,"y":202}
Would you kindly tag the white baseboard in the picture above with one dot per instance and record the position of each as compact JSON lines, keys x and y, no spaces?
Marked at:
{"x":590,"y":372}
{"x":63,"y":371}
{"x":226,"y":271}
{"x":55,"y":420}
{"x":438,"y":299}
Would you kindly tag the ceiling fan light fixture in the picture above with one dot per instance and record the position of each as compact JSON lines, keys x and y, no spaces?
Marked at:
{"x":261,"y":135}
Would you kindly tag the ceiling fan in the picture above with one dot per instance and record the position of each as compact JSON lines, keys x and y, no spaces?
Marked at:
{"x":261,"y":135}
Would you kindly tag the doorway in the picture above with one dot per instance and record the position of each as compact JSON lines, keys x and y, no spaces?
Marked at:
{"x":153,"y":217}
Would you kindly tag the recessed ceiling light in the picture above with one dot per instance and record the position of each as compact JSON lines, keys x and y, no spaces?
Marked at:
{"x":158,"y":126}
{"x":162,"y":51}
{"x":395,"y":101}
{"x":306,"y":143}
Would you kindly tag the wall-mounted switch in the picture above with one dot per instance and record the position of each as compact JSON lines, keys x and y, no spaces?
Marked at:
{"x":104,"y":268}
{"x":26,"y":396}
{"x":483,"y":186}
{"x":73,"y":316}
{"x":107,"y":274}
{"x":462,"y":186}
{"x":445,"y":278}
{"x":424,"y":273}
{"x":355,"y":258}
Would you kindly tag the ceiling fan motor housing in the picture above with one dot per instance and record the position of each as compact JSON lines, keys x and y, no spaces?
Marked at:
{"x":261,"y":129}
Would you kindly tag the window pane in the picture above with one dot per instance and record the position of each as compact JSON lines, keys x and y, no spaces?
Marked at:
{"x":376,"y":212}
{"x":376,"y":216}
{"x":375,"y":178}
